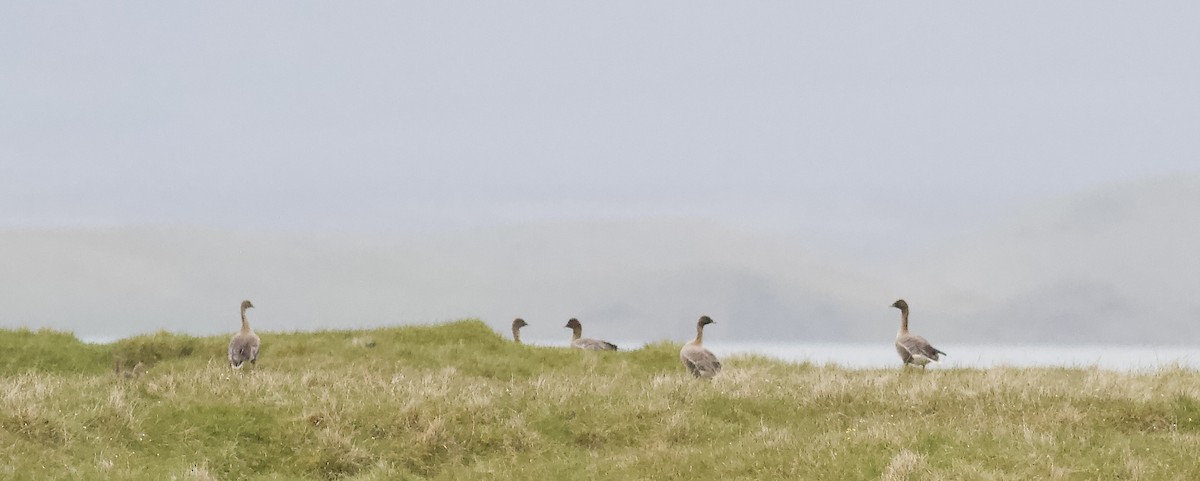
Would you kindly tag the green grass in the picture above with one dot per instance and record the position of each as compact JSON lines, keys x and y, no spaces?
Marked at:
{"x":458,"y":401}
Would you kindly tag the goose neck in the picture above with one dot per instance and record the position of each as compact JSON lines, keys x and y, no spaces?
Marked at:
{"x":245,"y":323}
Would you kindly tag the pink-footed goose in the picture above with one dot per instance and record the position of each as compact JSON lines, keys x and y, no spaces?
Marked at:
{"x":129,"y":373}
{"x":517,"y":324}
{"x":913,"y":349}
{"x":244,"y":345}
{"x":579,"y":342}
{"x":700,"y":361}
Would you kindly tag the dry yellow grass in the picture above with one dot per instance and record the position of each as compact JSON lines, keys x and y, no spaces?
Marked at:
{"x":459,"y":402}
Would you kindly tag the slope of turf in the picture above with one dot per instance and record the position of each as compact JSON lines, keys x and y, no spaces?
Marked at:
{"x":458,"y":401}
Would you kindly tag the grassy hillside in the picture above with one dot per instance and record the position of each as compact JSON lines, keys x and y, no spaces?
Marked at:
{"x":457,"y":401}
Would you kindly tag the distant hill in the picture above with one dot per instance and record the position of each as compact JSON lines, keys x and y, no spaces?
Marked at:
{"x":626,"y":281}
{"x":1117,"y":264}
{"x":1111,"y":265}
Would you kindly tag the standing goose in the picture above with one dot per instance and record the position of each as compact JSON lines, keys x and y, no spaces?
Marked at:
{"x":244,"y":345}
{"x":518,"y":323}
{"x":913,"y":349}
{"x":137,"y":370}
{"x":579,"y":342}
{"x":700,"y":361}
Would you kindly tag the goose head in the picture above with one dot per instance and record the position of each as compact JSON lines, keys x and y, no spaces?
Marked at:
{"x":705,"y":320}
{"x":573,"y":324}
{"x":900,"y":304}
{"x":247,"y":305}
{"x":519,"y":323}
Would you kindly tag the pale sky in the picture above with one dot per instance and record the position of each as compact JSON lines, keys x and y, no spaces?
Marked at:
{"x":864,"y":129}
{"x":842,"y":118}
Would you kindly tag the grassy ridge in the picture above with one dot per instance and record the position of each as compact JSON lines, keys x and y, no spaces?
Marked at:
{"x":457,"y":401}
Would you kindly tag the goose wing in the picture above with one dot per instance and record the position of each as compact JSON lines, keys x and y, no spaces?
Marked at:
{"x":700,"y":361}
{"x":594,"y":345}
{"x":916,"y":345}
{"x":243,"y":348}
{"x":237,"y":350}
{"x":254,"y":350}
{"x":905,"y":355}
{"x":233,"y":349}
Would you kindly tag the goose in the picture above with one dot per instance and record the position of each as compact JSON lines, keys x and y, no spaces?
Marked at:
{"x":135,"y":372}
{"x":700,"y":361}
{"x":518,"y":323}
{"x":913,"y":349}
{"x":584,"y":343}
{"x":244,"y":345}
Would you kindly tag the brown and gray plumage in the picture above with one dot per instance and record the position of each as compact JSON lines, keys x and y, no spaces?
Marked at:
{"x":518,"y":323}
{"x":244,"y":345}
{"x":136,"y":372}
{"x":580,"y":342}
{"x":913,"y":349}
{"x":700,"y":361}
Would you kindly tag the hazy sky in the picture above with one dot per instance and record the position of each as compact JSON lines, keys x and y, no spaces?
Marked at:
{"x":839,"y":120}
{"x":635,"y":164}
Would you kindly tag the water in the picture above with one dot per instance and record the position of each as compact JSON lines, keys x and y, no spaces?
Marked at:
{"x":883,"y":355}
{"x":1119,"y":358}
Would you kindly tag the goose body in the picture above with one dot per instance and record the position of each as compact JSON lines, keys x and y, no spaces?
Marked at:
{"x":587,"y":344}
{"x":913,"y":349}
{"x":244,"y":345}
{"x":699,"y":361}
{"x":133,"y":373}
{"x":517,"y":324}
